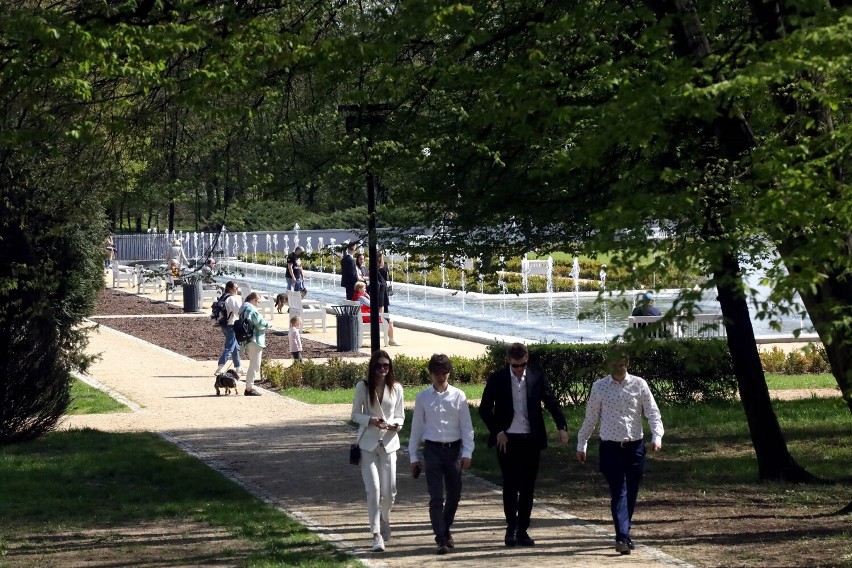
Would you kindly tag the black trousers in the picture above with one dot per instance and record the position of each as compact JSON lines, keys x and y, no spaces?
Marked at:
{"x":443,"y":471}
{"x":519,"y":465}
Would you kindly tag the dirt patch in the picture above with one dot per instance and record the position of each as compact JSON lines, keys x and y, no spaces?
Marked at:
{"x":115,"y":303}
{"x":194,"y":337}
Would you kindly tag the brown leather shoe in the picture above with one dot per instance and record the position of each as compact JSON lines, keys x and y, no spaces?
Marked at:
{"x":450,"y":542}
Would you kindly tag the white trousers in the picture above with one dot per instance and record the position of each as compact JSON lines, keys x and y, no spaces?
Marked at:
{"x":378,"y":468}
{"x":254,"y":352}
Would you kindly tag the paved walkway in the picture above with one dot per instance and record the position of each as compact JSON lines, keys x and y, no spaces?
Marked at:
{"x":294,"y":456}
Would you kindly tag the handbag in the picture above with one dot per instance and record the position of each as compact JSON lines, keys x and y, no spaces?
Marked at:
{"x":354,"y":454}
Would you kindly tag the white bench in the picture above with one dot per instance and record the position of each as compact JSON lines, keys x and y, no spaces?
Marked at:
{"x":312,"y":311}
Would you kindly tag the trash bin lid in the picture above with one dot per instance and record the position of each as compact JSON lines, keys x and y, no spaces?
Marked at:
{"x":346,"y":310}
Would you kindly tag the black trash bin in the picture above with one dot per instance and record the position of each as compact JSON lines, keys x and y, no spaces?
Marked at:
{"x":347,"y":327}
{"x":191,"y":294}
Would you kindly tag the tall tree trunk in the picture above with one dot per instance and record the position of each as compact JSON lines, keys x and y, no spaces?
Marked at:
{"x":733,"y":135}
{"x":774,"y":461}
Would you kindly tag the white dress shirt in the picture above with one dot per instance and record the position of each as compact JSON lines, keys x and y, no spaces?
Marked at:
{"x":390,"y":408}
{"x":520,"y":417}
{"x":619,"y":408}
{"x":441,"y":417}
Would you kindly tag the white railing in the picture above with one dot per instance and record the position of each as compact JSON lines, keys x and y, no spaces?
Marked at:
{"x":695,"y":326}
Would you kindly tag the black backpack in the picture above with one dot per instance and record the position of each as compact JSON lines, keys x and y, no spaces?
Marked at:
{"x":243,"y":328}
{"x":219,"y":313}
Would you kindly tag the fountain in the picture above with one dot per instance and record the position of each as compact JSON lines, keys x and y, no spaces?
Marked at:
{"x":254,"y":247}
{"x":462,"y":266}
{"x":286,"y":245}
{"x":482,"y":285}
{"x":333,"y":257}
{"x":407,"y":279}
{"x":296,"y":238}
{"x":525,"y":282}
{"x":549,"y":287}
{"x":321,"y":251}
{"x":423,"y":272}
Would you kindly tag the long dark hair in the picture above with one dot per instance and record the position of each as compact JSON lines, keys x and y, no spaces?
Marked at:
{"x":374,"y":385}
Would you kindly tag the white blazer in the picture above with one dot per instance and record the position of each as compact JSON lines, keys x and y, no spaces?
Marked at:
{"x":390,"y":408}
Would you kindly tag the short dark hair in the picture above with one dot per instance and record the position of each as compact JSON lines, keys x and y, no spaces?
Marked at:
{"x":517,"y":351}
{"x":440,"y":363}
{"x":230,"y":285}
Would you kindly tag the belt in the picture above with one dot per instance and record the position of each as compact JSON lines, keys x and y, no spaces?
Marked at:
{"x":623,"y":443}
{"x":455,"y":444}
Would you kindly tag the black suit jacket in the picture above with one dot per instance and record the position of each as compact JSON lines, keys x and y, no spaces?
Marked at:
{"x":348,"y":272}
{"x":497,"y":409}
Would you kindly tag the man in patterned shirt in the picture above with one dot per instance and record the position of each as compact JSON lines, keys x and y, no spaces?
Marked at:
{"x":618,"y":402}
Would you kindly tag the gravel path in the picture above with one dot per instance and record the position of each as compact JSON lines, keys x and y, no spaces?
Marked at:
{"x":295,"y":456}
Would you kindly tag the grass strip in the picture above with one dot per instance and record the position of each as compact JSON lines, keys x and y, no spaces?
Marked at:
{"x":86,"y":480}
{"x":89,"y":400}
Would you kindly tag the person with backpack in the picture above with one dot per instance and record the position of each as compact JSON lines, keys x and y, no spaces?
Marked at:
{"x":254,"y":344}
{"x":225,"y":311}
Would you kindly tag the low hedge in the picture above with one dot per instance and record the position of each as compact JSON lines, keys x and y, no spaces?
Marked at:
{"x":809,"y":360}
{"x":678,"y":371}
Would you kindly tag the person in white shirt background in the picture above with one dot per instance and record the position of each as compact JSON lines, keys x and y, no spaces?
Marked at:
{"x":379,"y":412}
{"x":618,"y":402}
{"x":441,"y":419}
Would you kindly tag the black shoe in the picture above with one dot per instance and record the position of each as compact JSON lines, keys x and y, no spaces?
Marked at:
{"x":442,"y":547}
{"x":252,"y":392}
{"x":622,"y":547}
{"x":524,"y":539}
{"x":511,"y":538}
{"x":630,"y":544}
{"x":450,"y":542}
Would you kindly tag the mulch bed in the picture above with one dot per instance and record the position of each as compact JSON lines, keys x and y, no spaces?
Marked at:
{"x":194,"y":337}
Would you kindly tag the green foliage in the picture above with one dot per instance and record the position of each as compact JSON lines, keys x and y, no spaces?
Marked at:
{"x":807,"y":361}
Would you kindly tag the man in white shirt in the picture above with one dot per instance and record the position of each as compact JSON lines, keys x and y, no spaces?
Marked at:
{"x":618,"y":402}
{"x":441,"y":419}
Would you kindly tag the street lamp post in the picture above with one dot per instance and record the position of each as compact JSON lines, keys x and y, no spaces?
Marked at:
{"x":363,"y":118}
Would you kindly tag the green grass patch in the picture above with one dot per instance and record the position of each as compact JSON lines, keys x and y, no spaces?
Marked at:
{"x":344,"y":396}
{"x":705,"y":446}
{"x":89,"y":400}
{"x":84,"y":480}
{"x":786,"y":382}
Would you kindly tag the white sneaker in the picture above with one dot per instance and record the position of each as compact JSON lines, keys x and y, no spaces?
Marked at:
{"x":393,"y":343}
{"x":378,"y":543}
{"x":240,"y":371}
{"x":384,"y":529}
{"x":220,"y":369}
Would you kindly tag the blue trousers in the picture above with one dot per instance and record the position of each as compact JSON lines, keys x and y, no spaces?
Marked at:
{"x":231,"y":349}
{"x":442,"y":471}
{"x":623,"y":467}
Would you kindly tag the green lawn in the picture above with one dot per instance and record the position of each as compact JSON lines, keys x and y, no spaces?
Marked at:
{"x":89,"y":400}
{"x":785,"y":382}
{"x":86,"y":480}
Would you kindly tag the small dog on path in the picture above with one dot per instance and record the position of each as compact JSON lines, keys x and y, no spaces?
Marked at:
{"x":227,"y":381}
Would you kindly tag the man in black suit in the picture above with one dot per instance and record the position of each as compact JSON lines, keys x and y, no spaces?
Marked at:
{"x":348,"y":271}
{"x":512,"y":410}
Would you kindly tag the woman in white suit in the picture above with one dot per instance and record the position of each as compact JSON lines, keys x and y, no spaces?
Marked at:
{"x":378,"y":411}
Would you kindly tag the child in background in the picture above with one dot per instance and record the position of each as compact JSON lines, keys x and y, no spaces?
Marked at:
{"x":295,"y":338}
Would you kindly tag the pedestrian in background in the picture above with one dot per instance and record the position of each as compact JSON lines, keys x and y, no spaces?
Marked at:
{"x":348,"y":271}
{"x":254,"y":346}
{"x":232,"y":348}
{"x":441,"y":420}
{"x":618,"y":401}
{"x":295,"y":338}
{"x":294,"y":269}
